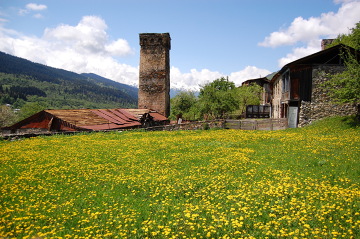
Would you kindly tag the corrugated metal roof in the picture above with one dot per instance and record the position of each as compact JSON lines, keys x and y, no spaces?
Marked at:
{"x":140,"y":112}
{"x":79,"y":117}
{"x":97,"y":119}
{"x":158,"y":117}
{"x":88,"y":119}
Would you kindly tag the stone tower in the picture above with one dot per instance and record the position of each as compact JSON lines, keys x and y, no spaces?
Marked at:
{"x":154,"y":75}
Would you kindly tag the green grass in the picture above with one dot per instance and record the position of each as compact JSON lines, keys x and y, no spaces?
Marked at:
{"x":184,"y":184}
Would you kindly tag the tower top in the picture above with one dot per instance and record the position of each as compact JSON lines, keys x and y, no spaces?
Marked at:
{"x":155,"y":39}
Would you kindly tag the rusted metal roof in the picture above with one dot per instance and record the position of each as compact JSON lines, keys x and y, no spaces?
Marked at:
{"x":97,"y":119}
{"x":158,"y":117}
{"x":140,"y":112}
{"x":87,"y":119}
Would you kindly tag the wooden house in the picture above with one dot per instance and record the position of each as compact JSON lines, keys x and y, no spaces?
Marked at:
{"x":299,"y":83}
{"x":86,"y":120}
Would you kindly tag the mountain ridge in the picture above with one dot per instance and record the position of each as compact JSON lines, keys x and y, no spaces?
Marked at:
{"x":59,"y":88}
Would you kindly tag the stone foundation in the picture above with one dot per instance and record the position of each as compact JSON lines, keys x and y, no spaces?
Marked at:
{"x":321,"y":105}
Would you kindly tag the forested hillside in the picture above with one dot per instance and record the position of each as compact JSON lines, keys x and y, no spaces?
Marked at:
{"x":23,"y":81}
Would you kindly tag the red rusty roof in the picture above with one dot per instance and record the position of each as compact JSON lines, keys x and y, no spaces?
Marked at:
{"x":87,"y":119}
{"x":157,"y":116}
{"x":97,"y":119}
{"x":140,"y":112}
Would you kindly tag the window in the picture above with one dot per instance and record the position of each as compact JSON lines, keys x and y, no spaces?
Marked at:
{"x":286,"y":81}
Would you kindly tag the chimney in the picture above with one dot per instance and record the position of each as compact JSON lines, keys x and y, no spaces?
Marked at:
{"x":326,"y":42}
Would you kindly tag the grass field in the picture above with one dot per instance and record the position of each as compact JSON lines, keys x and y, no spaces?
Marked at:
{"x":297,"y":183}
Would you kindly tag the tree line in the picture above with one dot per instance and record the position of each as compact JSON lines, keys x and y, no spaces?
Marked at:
{"x":9,"y":95}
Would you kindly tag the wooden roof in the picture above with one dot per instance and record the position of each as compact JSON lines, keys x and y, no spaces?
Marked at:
{"x":329,"y":56}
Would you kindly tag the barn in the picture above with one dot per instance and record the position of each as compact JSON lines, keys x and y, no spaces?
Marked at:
{"x":86,"y":120}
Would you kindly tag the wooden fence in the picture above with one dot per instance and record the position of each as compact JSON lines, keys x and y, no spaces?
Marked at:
{"x":260,"y":124}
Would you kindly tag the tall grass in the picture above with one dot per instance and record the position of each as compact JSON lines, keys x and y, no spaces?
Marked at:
{"x":297,"y":183}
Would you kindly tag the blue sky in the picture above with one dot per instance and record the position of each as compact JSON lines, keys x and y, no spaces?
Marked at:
{"x":241,"y":39}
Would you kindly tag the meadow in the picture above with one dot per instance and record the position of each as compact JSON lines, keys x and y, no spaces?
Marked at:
{"x":294,"y":183}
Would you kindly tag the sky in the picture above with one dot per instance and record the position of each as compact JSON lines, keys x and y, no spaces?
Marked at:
{"x":238,"y":39}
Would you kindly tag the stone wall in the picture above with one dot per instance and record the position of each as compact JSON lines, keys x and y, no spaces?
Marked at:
{"x":321,"y":105}
{"x":194,"y":125}
{"x":276,"y":100}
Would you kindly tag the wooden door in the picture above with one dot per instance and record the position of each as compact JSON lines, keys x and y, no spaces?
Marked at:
{"x":294,"y":89}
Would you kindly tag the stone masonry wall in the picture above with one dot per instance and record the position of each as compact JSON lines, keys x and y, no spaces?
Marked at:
{"x":154,"y":75}
{"x":321,"y":105}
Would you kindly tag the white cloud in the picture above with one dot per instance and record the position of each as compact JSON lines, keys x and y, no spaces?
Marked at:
{"x":249,"y":72}
{"x":192,"y":80}
{"x":312,"y":30}
{"x":119,"y":47}
{"x":299,"y":52}
{"x":328,"y":24}
{"x":38,"y":15}
{"x":88,"y":37}
{"x":86,"y":48}
{"x":195,"y":79}
{"x":33,"y":7}
{"x":82,"y":48}
{"x":300,"y":30}
{"x":23,"y":12}
{"x":36,"y":7}
{"x":342,"y":1}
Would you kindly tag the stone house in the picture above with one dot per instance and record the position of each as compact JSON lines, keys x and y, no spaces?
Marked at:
{"x":296,"y":91}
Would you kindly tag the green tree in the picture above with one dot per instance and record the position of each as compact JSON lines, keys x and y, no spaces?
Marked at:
{"x":352,"y":39}
{"x":7,"y":116}
{"x":217,"y":99}
{"x":184,"y":104}
{"x":344,"y":87}
{"x":31,"y":108}
{"x":248,"y":95}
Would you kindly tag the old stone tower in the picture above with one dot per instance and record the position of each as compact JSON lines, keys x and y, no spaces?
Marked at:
{"x":154,"y":75}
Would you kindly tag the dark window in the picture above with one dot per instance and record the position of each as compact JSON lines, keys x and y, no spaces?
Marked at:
{"x":257,"y":111}
{"x":286,"y":81}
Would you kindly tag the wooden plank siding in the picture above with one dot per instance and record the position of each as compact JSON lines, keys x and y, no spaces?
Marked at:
{"x":301,"y":84}
{"x":265,"y":124}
